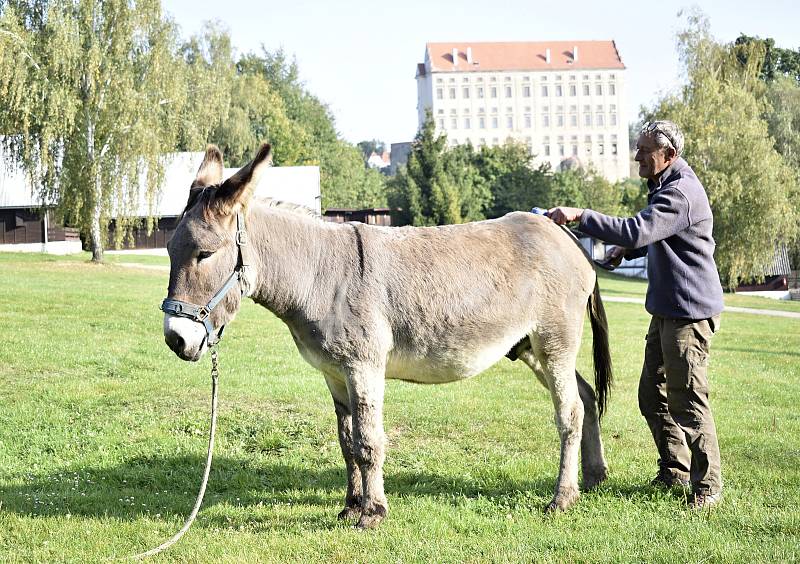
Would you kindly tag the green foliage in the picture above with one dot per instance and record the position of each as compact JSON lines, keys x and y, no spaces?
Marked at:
{"x":271,"y":103}
{"x":514,"y":182}
{"x":368,"y":147}
{"x":751,"y":190}
{"x":94,"y":105}
{"x":776,"y":63}
{"x":422,"y":190}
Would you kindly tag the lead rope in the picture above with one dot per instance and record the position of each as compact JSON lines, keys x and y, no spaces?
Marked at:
{"x":165,"y":545}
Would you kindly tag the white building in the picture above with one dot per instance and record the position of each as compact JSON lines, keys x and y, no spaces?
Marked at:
{"x":564,"y":99}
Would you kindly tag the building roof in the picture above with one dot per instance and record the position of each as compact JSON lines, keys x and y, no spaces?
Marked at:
{"x":524,"y":55}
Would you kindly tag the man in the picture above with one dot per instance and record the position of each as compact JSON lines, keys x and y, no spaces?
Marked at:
{"x":684,"y":297}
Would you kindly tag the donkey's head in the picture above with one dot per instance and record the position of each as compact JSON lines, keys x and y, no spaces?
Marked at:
{"x":209,"y":270}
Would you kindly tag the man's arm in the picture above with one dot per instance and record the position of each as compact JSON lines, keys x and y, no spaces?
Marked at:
{"x":667,"y":214}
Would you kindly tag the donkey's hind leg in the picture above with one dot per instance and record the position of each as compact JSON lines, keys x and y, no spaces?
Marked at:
{"x":593,"y":460}
{"x":552,"y":359}
{"x":344,"y":423}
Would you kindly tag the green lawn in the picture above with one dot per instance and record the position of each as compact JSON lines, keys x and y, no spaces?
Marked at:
{"x":103,"y":437}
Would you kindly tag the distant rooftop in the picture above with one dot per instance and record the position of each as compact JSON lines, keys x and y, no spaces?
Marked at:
{"x":522,"y":56}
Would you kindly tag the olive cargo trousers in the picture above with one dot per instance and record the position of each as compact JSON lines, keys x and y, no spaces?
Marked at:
{"x":673,"y":397}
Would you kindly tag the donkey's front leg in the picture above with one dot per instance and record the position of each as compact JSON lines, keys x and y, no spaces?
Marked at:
{"x":344,"y":423}
{"x":366,"y":386}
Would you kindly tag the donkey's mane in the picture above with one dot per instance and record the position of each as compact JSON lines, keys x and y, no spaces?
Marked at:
{"x":204,"y":196}
{"x":288,"y":206}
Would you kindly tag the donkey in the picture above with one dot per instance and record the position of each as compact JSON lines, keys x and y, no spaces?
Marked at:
{"x":366,"y":303}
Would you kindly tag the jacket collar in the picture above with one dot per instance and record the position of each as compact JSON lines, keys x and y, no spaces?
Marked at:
{"x":666,"y":175}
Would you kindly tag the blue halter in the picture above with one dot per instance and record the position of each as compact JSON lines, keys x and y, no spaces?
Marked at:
{"x":202,"y":314}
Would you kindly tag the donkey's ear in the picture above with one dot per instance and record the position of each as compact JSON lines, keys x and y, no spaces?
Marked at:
{"x":237,"y":190}
{"x":210,"y":171}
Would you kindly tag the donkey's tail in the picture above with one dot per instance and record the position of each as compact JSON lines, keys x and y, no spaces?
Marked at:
{"x":603,"y":376}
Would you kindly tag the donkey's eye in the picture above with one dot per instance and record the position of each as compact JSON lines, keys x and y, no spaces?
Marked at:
{"x":203,"y":255}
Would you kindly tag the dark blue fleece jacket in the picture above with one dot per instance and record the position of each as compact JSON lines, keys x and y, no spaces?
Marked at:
{"x":674,"y":230}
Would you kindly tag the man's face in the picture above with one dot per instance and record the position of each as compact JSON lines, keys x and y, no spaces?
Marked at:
{"x":652,"y":159}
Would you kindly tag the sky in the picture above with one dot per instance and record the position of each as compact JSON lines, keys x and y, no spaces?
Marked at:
{"x":360,"y":58}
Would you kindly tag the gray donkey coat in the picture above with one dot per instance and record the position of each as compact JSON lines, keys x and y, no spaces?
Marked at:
{"x":422,"y":304}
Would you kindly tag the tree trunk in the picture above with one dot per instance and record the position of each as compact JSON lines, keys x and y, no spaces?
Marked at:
{"x":95,"y":232}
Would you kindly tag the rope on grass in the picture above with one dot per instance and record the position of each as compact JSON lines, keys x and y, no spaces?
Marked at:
{"x":166,"y":544}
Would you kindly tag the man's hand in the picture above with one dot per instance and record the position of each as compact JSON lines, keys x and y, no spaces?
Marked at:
{"x":562,"y":215}
{"x":615,"y":252}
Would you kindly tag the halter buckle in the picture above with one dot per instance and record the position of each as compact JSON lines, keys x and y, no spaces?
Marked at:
{"x":202,"y":313}
{"x":241,"y":237}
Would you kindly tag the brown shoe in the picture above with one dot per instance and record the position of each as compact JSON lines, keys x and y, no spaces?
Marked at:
{"x":705,"y":500}
{"x":668,"y":481}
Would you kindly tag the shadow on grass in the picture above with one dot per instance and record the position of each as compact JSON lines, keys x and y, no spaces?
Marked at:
{"x":151,"y":487}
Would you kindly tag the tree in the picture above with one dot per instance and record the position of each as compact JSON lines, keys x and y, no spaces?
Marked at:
{"x":438,"y":185}
{"x":514,"y":183}
{"x":307,"y":135}
{"x":369,"y":147}
{"x":92,"y":107}
{"x":749,"y":185}
{"x":776,"y":61}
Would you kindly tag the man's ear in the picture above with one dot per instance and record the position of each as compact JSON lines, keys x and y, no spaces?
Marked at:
{"x":210,"y":171}
{"x":235,"y":192}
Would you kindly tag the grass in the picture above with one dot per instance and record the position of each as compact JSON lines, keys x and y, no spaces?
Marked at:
{"x":103,"y":437}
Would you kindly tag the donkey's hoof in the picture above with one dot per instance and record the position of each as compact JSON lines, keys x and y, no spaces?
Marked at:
{"x":562,"y":501}
{"x":593,"y":478}
{"x":349,"y":514}
{"x":372,"y":517}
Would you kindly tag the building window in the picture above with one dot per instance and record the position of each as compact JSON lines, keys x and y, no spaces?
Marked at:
{"x":601,"y":146}
{"x":467,"y":123}
{"x":573,"y":90}
{"x":561,"y":149}
{"x":439,"y":94}
{"x":494,"y":122}
{"x":599,"y":89}
{"x":440,"y":111}
{"x":466,"y":92}
{"x":559,"y":120}
{"x":575,"y":149}
{"x":573,"y":120}
{"x":452,"y":93}
{"x":545,"y":120}
{"x":558,"y":90}
{"x":600,"y":121}
{"x":613,"y":119}
{"x":441,"y":123}
{"x":587,"y":118}
{"x":438,"y":81}
{"x":613,"y":144}
{"x":508,"y":92}
{"x":612,"y":89}
{"x":482,"y":122}
{"x":587,"y":144}
{"x":480,"y":91}
{"x":585,"y":89}
{"x":526,"y":91}
{"x":454,"y":123}
{"x":495,"y":141}
{"x":528,"y":122}
{"x":482,"y":142}
{"x":509,"y":122}
{"x":494,"y":91}
{"x":545,"y":91}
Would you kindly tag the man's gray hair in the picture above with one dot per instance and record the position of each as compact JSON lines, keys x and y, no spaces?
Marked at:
{"x":665,"y":134}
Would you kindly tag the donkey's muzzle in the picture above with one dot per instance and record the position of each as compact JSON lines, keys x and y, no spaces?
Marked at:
{"x":178,"y":345}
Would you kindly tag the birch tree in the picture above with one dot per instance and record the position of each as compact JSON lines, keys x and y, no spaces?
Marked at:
{"x":92,"y":106}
